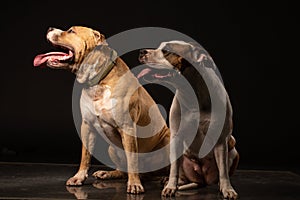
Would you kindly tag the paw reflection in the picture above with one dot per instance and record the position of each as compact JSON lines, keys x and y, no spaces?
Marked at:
{"x":79,"y":192}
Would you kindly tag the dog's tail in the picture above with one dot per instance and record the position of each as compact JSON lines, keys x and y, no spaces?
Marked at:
{"x":232,"y":150}
{"x":235,"y":162}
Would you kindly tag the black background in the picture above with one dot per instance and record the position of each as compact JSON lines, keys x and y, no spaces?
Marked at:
{"x":252,"y":43}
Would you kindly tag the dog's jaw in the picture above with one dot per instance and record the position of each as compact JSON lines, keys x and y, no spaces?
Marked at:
{"x":74,"y":44}
{"x":58,"y":59}
{"x":156,"y":59}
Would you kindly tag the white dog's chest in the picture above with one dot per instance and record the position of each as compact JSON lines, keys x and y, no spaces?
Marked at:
{"x":96,"y":105}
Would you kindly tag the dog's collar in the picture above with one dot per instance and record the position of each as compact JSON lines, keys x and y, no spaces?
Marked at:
{"x":101,"y":74}
{"x":105,"y":69}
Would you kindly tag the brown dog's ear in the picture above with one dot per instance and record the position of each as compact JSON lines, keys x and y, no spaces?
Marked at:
{"x":100,"y":38}
{"x":103,"y":41}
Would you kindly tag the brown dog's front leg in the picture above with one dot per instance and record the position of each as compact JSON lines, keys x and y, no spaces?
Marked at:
{"x":221,"y":155}
{"x":88,"y":142}
{"x":130,"y":145}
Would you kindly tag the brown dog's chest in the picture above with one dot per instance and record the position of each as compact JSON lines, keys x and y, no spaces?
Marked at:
{"x":96,"y":106}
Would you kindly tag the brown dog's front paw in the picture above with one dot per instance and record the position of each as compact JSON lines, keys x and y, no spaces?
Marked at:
{"x":229,"y":193}
{"x":75,"y":181}
{"x":168,"y":191}
{"x":78,"y":178}
{"x":135,"y":188}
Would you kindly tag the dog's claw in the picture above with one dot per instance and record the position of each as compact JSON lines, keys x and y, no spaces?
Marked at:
{"x":135,"y":189}
{"x":75,"y":181}
{"x":78,"y":179}
{"x":168,"y":192}
{"x":102,"y":175}
{"x":229,"y":193}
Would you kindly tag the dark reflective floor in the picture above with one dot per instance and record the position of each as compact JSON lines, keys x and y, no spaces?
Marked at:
{"x":47,"y":181}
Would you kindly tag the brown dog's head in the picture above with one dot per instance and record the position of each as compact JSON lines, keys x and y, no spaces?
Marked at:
{"x":73,"y":45}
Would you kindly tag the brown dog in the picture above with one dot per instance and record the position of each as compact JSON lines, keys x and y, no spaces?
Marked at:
{"x":112,"y":102}
{"x":171,"y":63}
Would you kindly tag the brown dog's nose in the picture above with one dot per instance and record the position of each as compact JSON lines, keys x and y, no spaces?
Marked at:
{"x":50,"y":29}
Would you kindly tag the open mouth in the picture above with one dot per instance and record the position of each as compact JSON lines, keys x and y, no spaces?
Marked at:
{"x":151,"y":73}
{"x":156,"y":71}
{"x":60,"y":58}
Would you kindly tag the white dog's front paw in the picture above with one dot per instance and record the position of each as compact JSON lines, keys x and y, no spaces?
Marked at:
{"x":78,"y":179}
{"x":168,"y":192}
{"x":229,"y":192}
{"x":170,"y":189}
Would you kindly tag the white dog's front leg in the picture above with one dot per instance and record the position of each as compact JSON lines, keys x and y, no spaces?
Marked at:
{"x":176,"y":149}
{"x":221,"y":155}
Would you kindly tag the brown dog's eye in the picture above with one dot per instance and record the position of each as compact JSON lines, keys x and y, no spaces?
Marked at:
{"x":71,"y":31}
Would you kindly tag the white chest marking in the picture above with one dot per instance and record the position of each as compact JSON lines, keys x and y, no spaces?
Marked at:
{"x":96,"y":102}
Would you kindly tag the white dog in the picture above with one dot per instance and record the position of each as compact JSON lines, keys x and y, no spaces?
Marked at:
{"x":171,"y":62}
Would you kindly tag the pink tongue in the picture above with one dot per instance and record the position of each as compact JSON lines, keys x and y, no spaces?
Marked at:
{"x":143,"y":72}
{"x":43,"y":58}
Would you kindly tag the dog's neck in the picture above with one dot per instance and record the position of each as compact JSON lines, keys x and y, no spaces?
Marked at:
{"x":200,"y":78}
{"x":101,"y":74}
{"x":97,"y":64}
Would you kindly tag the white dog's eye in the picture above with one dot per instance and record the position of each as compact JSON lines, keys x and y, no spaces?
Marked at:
{"x":165,"y":52}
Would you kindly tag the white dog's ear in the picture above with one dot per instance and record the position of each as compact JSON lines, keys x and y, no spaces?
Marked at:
{"x":100,"y":38}
{"x":198,"y":54}
{"x":201,"y":56}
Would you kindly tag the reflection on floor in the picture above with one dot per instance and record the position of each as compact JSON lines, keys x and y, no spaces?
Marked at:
{"x":47,"y":181}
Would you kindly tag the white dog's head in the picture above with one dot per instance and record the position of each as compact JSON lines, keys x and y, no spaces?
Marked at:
{"x":169,"y":57}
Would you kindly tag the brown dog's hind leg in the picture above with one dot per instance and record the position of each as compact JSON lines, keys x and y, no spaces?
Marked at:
{"x":103,"y":174}
{"x":118,"y":160}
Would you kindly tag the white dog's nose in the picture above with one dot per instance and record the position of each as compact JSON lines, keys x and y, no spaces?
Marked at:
{"x":143,"y":51}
